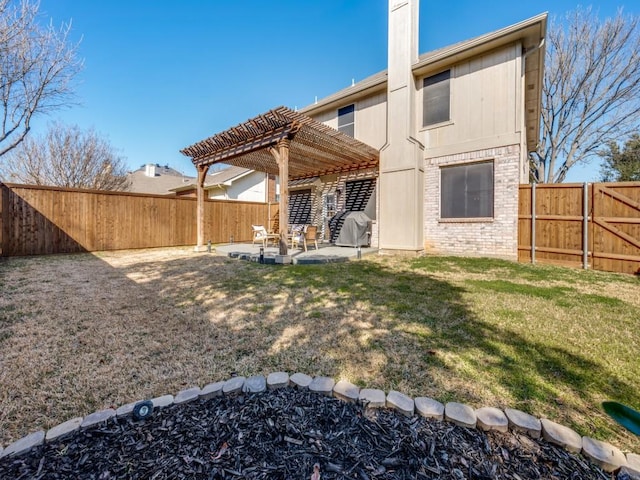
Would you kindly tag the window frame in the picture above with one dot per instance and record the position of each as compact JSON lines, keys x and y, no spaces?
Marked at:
{"x":330,"y":201}
{"x":343,"y":112}
{"x":446,"y":213}
{"x":425,"y":98}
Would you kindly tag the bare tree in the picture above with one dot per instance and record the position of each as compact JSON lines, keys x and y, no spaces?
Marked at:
{"x":67,"y":157}
{"x":37,"y":68}
{"x":591,"y":90}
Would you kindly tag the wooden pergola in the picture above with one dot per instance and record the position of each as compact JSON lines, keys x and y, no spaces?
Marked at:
{"x":281,"y":142}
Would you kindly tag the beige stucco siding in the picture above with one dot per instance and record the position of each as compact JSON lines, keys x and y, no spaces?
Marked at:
{"x":485,"y":110}
{"x":328,"y":117}
{"x":370,"y":119}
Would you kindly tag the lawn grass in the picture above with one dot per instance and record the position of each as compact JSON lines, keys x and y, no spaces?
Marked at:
{"x":85,"y":332}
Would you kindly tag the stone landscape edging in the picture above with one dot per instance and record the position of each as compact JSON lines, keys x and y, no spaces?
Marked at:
{"x":603,"y":454}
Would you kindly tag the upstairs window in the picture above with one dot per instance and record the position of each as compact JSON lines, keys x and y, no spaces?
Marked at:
{"x":436,"y":99}
{"x":467,"y":191}
{"x":347,"y":120}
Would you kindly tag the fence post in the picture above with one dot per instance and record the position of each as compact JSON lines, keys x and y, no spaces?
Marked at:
{"x":533,"y":223}
{"x":585,"y":226}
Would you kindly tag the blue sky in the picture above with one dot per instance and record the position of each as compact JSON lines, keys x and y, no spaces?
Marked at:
{"x":162,"y":75}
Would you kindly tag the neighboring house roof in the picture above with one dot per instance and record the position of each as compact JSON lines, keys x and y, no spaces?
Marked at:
{"x":220,"y":178}
{"x":531,"y":32}
{"x":160,"y":182}
{"x":226,"y":176}
{"x":229,"y":175}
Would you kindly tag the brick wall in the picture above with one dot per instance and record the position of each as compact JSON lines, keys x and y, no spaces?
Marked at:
{"x":497,"y":237}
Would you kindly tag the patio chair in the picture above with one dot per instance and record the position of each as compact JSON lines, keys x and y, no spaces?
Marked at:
{"x":296,"y":233}
{"x":310,"y":234}
{"x":260,"y":234}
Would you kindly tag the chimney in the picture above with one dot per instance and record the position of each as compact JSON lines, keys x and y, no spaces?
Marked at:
{"x":401,"y":158}
{"x":402,"y":42}
{"x":150,"y":170}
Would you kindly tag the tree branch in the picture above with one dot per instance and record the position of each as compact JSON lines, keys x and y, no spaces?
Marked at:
{"x":591,"y":90}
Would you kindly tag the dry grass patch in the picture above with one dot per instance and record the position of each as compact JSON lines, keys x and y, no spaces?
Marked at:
{"x":84,"y":332}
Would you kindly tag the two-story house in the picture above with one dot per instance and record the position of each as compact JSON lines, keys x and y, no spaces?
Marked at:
{"x":450,"y":129}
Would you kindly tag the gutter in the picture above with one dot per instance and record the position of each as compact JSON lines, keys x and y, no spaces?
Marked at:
{"x":376,"y":80}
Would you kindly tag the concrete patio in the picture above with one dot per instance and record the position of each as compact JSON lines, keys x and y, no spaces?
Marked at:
{"x":326,"y":253}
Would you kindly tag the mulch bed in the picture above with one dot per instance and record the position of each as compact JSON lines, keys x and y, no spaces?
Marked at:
{"x":281,"y":435}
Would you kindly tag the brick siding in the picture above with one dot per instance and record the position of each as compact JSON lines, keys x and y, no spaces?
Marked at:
{"x":495,"y":238}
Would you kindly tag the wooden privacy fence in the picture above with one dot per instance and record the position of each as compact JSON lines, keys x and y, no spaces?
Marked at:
{"x":592,"y":225}
{"x":38,"y":220}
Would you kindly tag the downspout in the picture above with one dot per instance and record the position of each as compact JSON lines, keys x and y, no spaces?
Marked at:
{"x":524,"y":174}
{"x":527,"y":53}
{"x":534,"y":49}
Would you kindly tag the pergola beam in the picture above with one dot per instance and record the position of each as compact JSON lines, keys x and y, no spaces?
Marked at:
{"x":245,"y":147}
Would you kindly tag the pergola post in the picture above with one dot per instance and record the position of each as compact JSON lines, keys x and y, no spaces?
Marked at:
{"x":281,"y":155}
{"x":202,"y":174}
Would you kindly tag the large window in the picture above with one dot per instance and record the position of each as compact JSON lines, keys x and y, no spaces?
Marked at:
{"x":436,"y":93}
{"x":467,"y":191}
{"x":347,"y":120}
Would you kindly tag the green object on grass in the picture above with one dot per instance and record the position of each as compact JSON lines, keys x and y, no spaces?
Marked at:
{"x":625,"y":416}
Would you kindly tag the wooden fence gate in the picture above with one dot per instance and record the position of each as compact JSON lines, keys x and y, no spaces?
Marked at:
{"x":592,"y":225}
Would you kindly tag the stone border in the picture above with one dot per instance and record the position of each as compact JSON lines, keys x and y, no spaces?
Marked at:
{"x":604,"y":455}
